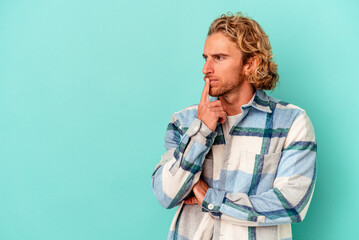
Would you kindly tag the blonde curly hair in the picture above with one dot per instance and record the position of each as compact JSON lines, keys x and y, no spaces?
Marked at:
{"x":252,"y":41}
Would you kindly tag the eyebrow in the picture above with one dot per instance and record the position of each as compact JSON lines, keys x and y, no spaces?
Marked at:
{"x":216,"y":54}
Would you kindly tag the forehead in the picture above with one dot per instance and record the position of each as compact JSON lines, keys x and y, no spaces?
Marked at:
{"x":218,"y":42}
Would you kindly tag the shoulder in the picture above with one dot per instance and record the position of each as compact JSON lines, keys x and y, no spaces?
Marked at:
{"x":285,"y":110}
{"x":182,"y":119}
{"x":187,"y":114}
{"x":291,"y":116}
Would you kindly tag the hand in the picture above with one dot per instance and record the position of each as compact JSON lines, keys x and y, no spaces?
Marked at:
{"x":210,"y":112}
{"x":199,"y":190}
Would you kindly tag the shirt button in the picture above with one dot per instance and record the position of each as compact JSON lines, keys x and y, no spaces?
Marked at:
{"x":210,"y":206}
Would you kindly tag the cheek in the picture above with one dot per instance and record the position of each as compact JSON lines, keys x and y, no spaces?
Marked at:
{"x":228,"y":71}
{"x":232,"y":68}
{"x":237,"y":68}
{"x":231,"y":73}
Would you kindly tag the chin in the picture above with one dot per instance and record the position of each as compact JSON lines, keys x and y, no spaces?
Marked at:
{"x":215,"y":93}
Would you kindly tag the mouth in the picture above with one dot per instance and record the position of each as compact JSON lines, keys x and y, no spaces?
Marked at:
{"x":211,"y":79}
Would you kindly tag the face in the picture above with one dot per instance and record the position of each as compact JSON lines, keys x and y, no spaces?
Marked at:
{"x":223,"y":65}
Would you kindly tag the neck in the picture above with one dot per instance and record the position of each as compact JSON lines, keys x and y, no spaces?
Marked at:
{"x":233,"y":101}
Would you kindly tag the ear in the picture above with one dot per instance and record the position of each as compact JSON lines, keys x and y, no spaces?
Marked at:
{"x":250,"y":65}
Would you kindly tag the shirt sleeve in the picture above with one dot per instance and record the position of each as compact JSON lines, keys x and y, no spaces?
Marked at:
{"x":181,"y":165}
{"x":289,"y":199}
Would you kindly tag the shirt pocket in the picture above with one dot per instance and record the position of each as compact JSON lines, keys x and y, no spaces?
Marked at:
{"x":270,"y":162}
{"x":253,"y":163}
{"x":249,"y":170}
{"x":264,"y":172}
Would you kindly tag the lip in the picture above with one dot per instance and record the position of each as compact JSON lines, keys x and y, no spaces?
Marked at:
{"x":213,"y":82}
{"x":212,"y":79}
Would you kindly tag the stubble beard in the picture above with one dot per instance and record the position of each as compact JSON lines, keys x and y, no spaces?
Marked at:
{"x":220,"y":91}
{"x":226,"y":88}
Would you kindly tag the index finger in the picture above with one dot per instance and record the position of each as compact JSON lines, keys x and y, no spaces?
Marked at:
{"x":205,"y":92}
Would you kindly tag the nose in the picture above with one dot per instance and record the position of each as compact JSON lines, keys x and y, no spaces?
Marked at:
{"x":208,"y":67}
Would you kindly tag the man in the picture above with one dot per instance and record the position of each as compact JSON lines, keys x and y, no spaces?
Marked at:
{"x":241,"y":166}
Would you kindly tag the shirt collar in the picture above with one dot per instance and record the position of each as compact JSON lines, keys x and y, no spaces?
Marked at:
{"x":259,"y":101}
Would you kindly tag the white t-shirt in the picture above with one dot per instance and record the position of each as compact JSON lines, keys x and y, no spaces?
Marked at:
{"x":231,"y":120}
{"x":227,"y":126}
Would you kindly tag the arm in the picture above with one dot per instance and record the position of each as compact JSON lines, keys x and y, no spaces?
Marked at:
{"x":288,"y":200}
{"x":181,"y":165}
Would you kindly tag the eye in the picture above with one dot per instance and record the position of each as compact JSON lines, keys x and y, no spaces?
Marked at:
{"x":218,"y":57}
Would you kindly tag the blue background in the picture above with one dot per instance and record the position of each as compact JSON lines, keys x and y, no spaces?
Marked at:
{"x":87,"y":89}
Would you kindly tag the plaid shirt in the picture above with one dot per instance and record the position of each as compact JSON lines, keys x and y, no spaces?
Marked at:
{"x":261,"y":179}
